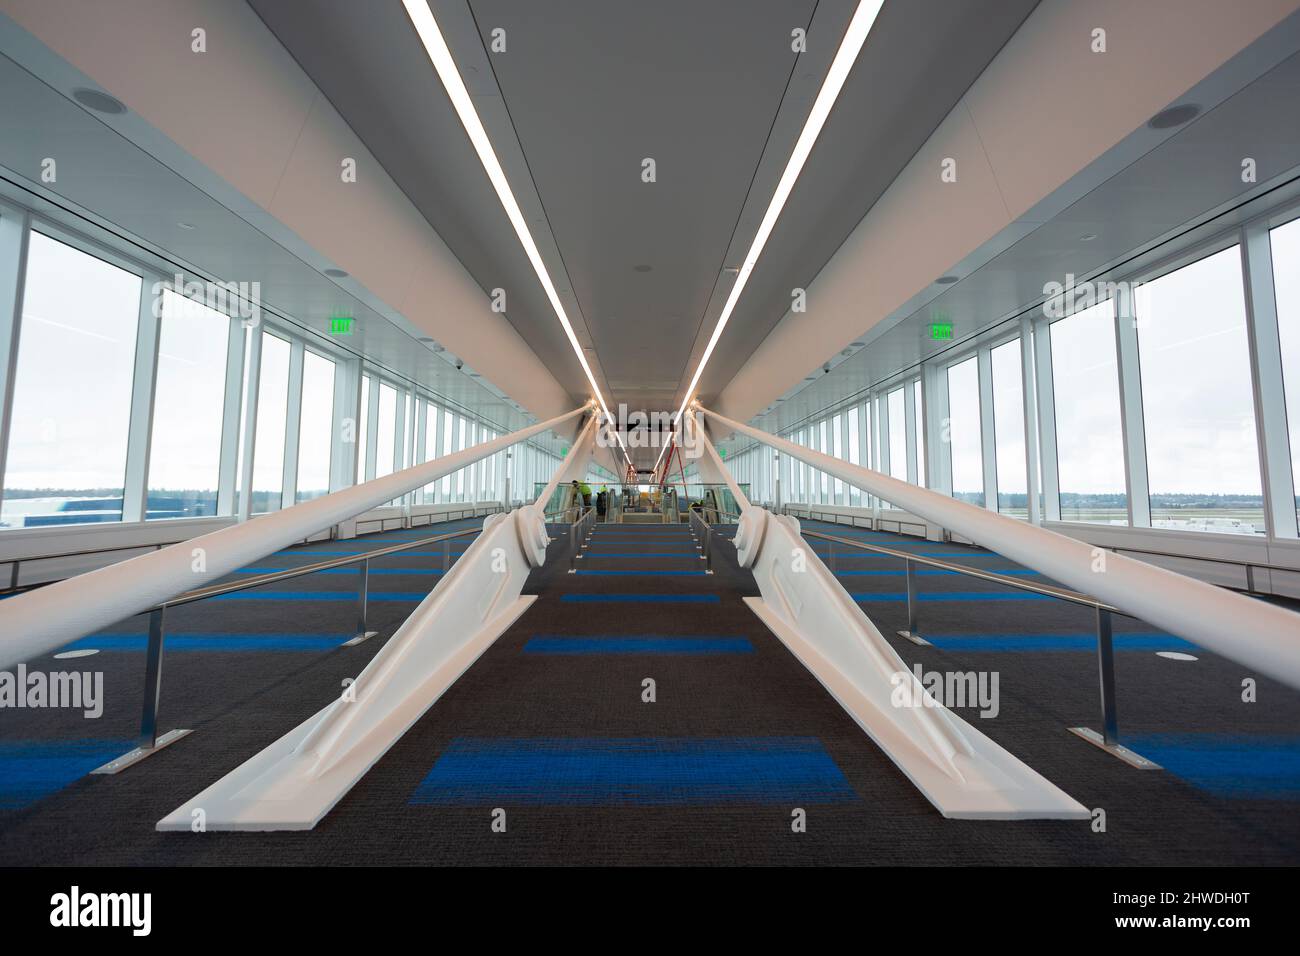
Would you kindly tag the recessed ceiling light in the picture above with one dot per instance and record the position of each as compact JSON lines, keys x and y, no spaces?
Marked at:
{"x":847,"y":352}
{"x":435,"y":45}
{"x":99,"y":101}
{"x":1088,"y":238}
{"x":643,"y":268}
{"x":864,"y":17}
{"x":857,"y":345}
{"x":186,"y":225}
{"x":1174,"y":116}
{"x":946,"y":280}
{"x":336,"y":273}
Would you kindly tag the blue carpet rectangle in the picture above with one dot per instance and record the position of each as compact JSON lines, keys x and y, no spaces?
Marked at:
{"x":637,"y":772}
{"x":214,"y":642}
{"x":644,"y":574}
{"x":642,"y":598}
{"x":1056,"y":642}
{"x":351,"y":571}
{"x":923,"y":572}
{"x":956,"y":596}
{"x":1246,"y":767}
{"x":414,"y":596}
{"x":640,"y":644}
{"x":30,"y":770}
{"x":692,"y":553}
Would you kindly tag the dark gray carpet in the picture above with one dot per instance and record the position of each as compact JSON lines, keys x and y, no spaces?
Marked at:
{"x":239,"y":703}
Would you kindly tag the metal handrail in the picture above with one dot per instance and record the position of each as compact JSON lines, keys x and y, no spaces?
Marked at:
{"x":1064,"y":594}
{"x":578,"y":532}
{"x":796,"y":508}
{"x":148,"y":740}
{"x":706,"y":542}
{"x":1109,"y":737}
{"x":17,"y":562}
{"x":214,"y":590}
{"x":703,"y":509}
{"x":1255,"y":634}
{"x":42,"y":620}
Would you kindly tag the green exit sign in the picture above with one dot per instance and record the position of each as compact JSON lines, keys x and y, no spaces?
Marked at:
{"x":940,"y":331}
{"x":341,"y":325}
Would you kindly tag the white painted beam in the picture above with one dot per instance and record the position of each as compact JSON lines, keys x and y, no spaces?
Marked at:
{"x":40,"y":621}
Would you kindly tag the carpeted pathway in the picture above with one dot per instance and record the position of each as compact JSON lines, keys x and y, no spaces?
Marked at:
{"x":552,"y":726}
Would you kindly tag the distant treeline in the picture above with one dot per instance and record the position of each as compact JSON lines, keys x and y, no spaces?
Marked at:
{"x":1120,"y":501}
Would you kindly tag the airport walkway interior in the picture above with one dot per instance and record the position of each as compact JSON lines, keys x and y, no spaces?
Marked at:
{"x":590,"y":433}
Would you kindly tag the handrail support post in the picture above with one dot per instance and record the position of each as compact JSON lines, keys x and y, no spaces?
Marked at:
{"x":912,"y":633}
{"x":1106,"y":676}
{"x":363,"y":591}
{"x":1108,"y":739}
{"x":149,"y":742}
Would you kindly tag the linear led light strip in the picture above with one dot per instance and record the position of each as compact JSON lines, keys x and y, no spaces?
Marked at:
{"x":427,"y":27}
{"x":863,"y":19}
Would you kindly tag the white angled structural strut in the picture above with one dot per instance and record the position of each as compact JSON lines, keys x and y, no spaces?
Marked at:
{"x":1255,"y":634}
{"x":295,"y":781}
{"x":46,"y":618}
{"x":961,"y":771}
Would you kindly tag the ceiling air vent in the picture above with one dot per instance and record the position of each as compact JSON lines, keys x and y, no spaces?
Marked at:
{"x":1174,"y":116}
{"x":99,"y":101}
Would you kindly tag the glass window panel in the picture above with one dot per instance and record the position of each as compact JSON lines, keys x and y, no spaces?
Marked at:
{"x":461,"y":439}
{"x":964,"y":435}
{"x":431,"y":450}
{"x":448,"y":427}
{"x":385,"y":430}
{"x":240,"y":490}
{"x":1009,"y":430}
{"x":1089,"y":432}
{"x":67,"y":456}
{"x":315,"y":426}
{"x":918,"y":425}
{"x":823,"y":447}
{"x":898,"y":435}
{"x":855,"y":451}
{"x":837,"y":429}
{"x":272,"y":411}
{"x":1285,"y":241}
{"x":189,"y":394}
{"x":363,"y":430}
{"x":1197,"y":401}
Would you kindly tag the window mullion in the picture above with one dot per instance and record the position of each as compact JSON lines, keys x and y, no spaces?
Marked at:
{"x":249,"y":438}
{"x":135,"y":488}
{"x":988,"y":431}
{"x":1131,"y":415}
{"x":14,"y":232}
{"x":292,"y":427}
{"x":1028,"y":391}
{"x":1269,"y":387}
{"x":1045,"y":403}
{"x":232,"y":403}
